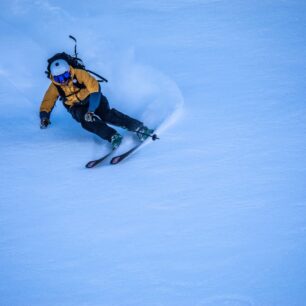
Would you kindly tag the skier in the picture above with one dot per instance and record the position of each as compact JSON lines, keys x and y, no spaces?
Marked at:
{"x":82,"y":98}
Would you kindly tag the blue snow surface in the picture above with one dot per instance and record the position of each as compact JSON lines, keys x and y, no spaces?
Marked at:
{"x":212,"y":214}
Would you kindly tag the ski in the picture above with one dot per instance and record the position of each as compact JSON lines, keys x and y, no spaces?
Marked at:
{"x":117,"y":159}
{"x":96,"y":162}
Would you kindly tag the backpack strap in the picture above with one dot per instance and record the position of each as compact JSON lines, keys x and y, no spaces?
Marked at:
{"x":97,"y":75}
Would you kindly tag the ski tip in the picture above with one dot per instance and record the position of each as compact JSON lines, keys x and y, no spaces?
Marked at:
{"x":90,"y":165}
{"x":115,"y":160}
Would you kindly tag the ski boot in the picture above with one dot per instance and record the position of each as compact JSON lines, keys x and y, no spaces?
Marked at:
{"x":116,"y":141}
{"x":143,"y":132}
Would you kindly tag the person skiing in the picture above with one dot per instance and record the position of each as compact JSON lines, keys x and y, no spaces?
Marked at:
{"x":82,"y":97}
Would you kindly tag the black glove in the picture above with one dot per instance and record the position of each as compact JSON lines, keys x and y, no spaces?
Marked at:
{"x":44,"y":122}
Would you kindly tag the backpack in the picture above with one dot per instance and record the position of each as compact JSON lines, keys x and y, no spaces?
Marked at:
{"x":74,"y":62}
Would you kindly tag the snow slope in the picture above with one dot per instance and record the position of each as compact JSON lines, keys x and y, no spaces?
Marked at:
{"x":210,"y":215}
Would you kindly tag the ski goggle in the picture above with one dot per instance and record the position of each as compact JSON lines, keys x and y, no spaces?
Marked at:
{"x":62,"y":78}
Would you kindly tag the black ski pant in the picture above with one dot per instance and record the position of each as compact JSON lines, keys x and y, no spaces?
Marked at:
{"x":107,"y":115}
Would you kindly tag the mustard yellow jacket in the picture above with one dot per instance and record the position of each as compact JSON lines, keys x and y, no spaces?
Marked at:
{"x":73,"y":94}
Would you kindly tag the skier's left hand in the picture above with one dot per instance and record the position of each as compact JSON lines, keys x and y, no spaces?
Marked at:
{"x":89,"y":117}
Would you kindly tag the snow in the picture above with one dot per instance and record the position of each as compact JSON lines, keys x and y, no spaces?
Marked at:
{"x":212,"y":214}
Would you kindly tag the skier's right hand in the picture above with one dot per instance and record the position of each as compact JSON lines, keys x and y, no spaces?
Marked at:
{"x":44,"y":122}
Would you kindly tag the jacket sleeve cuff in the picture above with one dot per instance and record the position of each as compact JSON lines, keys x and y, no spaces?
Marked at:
{"x":94,"y":101}
{"x":44,"y":115}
